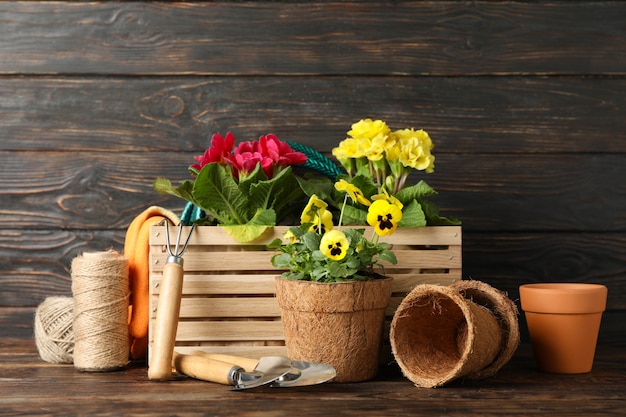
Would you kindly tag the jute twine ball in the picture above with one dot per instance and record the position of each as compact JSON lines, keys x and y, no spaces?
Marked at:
{"x":101,"y":292}
{"x":437,"y":336}
{"x":54,"y":335}
{"x":505,"y":310}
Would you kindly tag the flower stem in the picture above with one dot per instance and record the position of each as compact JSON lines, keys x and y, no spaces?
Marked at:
{"x":402,"y":182}
{"x":343,"y":206}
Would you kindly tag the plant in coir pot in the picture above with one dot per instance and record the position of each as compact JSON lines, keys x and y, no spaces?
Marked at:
{"x":333,"y":296}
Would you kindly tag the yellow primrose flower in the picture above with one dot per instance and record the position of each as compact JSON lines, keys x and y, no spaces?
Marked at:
{"x":347,"y":148}
{"x":384,"y":217}
{"x":326,"y":223}
{"x":415,"y":147}
{"x":393,"y":149}
{"x":375,"y":150}
{"x":334,"y":245}
{"x":353,"y":191}
{"x":369,"y":129}
{"x":312,"y":209}
{"x":388,"y":198}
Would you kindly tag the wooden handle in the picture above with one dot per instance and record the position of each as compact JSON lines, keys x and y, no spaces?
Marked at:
{"x":204,"y":368}
{"x":166,"y":324}
{"x":248,"y":364}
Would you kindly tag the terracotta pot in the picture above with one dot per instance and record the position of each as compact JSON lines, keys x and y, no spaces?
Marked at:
{"x":563,"y":321}
{"x":339,"y":324}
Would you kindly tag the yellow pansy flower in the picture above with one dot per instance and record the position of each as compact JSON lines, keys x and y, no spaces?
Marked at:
{"x":324,"y":224}
{"x":389,"y":198}
{"x":384,"y":217}
{"x":289,"y":237}
{"x":334,"y":245}
{"x":353,"y":191}
{"x":312,"y":209}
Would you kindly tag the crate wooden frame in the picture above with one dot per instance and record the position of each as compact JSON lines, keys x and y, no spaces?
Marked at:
{"x":228,"y":303}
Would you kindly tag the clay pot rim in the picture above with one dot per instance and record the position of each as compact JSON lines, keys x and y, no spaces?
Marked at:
{"x":563,"y":298}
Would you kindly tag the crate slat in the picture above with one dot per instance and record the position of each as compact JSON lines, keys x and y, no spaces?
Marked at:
{"x":237,"y":350}
{"x":211,"y":308}
{"x":221,"y":284}
{"x":218,"y":331}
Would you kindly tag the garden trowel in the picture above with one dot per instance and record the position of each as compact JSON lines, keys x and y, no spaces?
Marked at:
{"x":268,"y":369}
{"x":301,"y":374}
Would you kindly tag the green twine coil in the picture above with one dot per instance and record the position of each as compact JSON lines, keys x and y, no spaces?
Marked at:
{"x":317,"y":161}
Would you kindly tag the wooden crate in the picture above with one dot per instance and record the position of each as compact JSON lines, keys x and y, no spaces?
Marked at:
{"x":228,"y":303}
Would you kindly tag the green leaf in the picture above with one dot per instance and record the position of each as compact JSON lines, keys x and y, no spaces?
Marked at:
{"x":184,"y":190}
{"x":353,"y":235}
{"x":281,"y":260}
{"x":412,"y":215}
{"x":252,"y":178}
{"x":354,"y":215}
{"x":217,"y":193}
{"x":312,"y":241}
{"x":437,"y":220}
{"x":320,"y":186}
{"x":276,"y":193}
{"x":431,"y":210}
{"x":388,"y":256}
{"x":365,"y":184}
{"x":263,"y":220}
{"x":415,"y":192}
{"x":336,"y":270}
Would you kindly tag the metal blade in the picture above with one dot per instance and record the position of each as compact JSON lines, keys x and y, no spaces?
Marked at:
{"x":305,"y":373}
{"x":270,"y":368}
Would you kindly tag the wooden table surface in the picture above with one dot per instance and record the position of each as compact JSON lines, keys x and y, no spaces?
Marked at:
{"x":29,"y":386}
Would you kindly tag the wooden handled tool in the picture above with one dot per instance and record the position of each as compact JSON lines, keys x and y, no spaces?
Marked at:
{"x":168,"y":310}
{"x":206,"y":369}
{"x":268,"y":370}
{"x":301,"y":373}
{"x":248,"y":364}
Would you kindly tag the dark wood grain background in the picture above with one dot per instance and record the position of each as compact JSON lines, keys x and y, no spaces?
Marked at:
{"x":525,"y":102}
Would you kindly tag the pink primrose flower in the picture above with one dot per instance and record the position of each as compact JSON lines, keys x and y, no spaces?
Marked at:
{"x":245,"y":162}
{"x":220,"y":151}
{"x":280,"y":152}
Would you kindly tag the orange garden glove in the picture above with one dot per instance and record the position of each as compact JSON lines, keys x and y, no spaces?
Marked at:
{"x":137,"y":252}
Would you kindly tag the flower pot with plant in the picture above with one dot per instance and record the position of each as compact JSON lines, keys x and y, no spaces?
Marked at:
{"x":333,"y":294}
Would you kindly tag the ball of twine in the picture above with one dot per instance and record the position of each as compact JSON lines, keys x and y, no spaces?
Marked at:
{"x":54,"y":335}
{"x":100,"y":288}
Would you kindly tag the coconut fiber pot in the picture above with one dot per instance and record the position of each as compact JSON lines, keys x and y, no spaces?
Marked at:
{"x":339,"y":324}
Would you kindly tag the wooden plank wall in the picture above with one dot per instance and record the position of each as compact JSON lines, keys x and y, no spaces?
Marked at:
{"x":525,"y":102}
